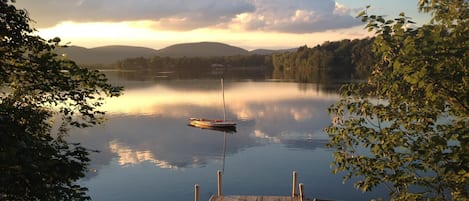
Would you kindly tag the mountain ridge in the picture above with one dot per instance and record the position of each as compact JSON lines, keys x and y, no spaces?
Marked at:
{"x":113,"y":53}
{"x":201,"y":49}
{"x":105,"y":54}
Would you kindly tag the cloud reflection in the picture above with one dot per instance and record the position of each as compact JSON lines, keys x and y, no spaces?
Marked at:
{"x":127,"y":156}
{"x":149,"y":124}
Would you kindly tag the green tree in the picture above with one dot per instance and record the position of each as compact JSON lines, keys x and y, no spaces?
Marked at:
{"x":363,"y":58}
{"x":329,"y":62}
{"x":407,"y":128}
{"x":39,"y":89}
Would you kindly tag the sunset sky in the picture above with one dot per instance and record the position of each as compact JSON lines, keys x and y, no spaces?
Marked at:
{"x":250,"y":24}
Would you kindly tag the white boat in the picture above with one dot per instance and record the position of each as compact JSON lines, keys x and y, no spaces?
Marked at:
{"x":211,"y":123}
{"x":215,"y":124}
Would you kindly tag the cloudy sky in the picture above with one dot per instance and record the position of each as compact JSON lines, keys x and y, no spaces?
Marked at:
{"x":249,"y":24}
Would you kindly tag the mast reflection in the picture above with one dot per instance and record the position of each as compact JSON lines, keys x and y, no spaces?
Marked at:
{"x":225,"y":130}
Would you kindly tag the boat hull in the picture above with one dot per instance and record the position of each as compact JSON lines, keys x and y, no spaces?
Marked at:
{"x":208,"y":123}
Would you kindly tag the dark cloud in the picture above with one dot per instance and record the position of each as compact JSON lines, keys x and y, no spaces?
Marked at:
{"x":295,"y":16}
{"x":198,"y":13}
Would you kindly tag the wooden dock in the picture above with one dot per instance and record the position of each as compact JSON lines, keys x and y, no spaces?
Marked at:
{"x":295,"y":196}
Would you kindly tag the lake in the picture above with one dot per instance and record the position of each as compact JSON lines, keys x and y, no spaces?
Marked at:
{"x":148,"y":152}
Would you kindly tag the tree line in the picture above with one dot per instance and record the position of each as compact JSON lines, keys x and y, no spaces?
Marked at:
{"x":248,"y":66}
{"x":331,"y":61}
{"x":191,"y":64}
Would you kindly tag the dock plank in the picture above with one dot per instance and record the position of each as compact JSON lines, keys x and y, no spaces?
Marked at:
{"x":253,"y":198}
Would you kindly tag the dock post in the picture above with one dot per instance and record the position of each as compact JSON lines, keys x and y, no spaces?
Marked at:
{"x":219,"y":179}
{"x":196,"y":192}
{"x":302,"y":193}
{"x":293,"y":191}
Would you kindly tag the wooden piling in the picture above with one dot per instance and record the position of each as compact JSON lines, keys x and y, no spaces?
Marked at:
{"x":302,"y":192}
{"x":219,"y":180}
{"x":196,"y":193}
{"x":293,"y":191}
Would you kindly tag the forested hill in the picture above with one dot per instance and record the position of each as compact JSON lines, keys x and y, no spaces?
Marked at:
{"x":110,"y":54}
{"x":104,"y":55}
{"x":269,"y":52}
{"x":202,"y":49}
{"x":338,"y":60}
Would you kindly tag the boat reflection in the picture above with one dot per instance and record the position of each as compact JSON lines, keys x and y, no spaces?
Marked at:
{"x":225,"y":129}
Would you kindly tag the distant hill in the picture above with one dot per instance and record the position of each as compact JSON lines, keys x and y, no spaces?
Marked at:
{"x":202,"y":49}
{"x":104,"y":55}
{"x":111,"y":54}
{"x":269,"y":52}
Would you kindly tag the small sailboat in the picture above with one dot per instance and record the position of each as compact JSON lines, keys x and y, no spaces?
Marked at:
{"x":211,"y":123}
{"x":215,"y":124}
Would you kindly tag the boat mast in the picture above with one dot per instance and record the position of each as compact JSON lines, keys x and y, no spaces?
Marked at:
{"x":223,"y":95}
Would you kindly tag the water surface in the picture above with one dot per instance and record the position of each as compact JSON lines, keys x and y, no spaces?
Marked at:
{"x":147,"y":151}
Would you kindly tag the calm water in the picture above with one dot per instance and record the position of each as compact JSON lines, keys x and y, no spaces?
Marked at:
{"x":149,"y":153}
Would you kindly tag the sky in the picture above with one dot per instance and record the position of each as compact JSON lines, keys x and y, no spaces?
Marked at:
{"x":249,"y":24}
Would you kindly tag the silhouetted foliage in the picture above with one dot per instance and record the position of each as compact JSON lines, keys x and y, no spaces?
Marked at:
{"x":38,"y":90}
{"x":407,"y":128}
